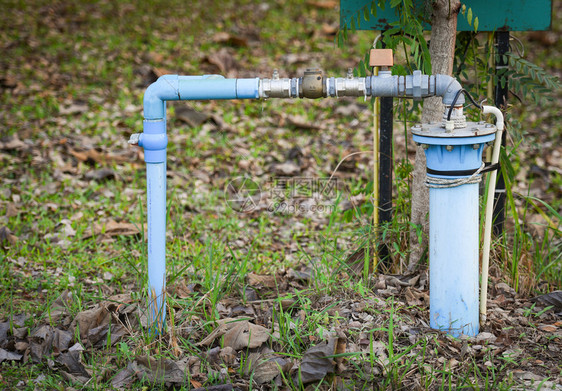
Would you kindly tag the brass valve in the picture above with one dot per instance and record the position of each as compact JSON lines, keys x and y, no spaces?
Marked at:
{"x":312,"y":84}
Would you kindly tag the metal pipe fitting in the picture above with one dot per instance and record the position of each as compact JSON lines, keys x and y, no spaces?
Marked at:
{"x":447,"y":87}
{"x":340,"y":86}
{"x":312,"y":85}
{"x":277,"y":88}
{"x":386,"y":85}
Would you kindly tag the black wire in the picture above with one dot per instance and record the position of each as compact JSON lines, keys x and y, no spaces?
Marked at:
{"x":459,"y":92}
{"x":471,"y":99}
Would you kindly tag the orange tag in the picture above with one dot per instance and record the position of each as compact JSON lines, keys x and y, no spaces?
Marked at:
{"x":381,"y":58}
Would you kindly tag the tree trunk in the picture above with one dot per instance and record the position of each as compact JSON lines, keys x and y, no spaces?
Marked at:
{"x":442,"y":51}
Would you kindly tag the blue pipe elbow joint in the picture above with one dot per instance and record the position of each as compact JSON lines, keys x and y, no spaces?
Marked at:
{"x":154,"y":141}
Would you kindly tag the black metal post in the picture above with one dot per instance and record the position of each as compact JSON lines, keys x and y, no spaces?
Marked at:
{"x":385,"y":170}
{"x":502,"y":43}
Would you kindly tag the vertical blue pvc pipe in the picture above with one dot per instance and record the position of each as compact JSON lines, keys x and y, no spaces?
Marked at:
{"x":156,"y":203}
{"x":453,"y":254}
{"x":154,"y":141}
{"x":453,"y":234}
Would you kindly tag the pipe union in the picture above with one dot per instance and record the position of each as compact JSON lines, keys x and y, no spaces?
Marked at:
{"x":417,"y":85}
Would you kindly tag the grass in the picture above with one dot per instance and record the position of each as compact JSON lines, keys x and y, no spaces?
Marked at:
{"x":100,"y":54}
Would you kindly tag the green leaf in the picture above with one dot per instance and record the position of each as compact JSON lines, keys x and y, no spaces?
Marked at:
{"x":476,"y":24}
{"x":374,"y":8}
{"x":399,"y":69}
{"x":392,"y":31}
{"x":469,"y":16}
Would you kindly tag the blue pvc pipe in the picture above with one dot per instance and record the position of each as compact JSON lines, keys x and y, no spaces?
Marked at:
{"x":154,"y":141}
{"x":453,"y":257}
{"x":454,"y":236}
{"x":174,"y":87}
{"x":156,"y":200}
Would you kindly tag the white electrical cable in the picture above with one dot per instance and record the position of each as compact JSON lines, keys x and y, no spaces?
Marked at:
{"x":376,"y":40}
{"x":490,"y":208}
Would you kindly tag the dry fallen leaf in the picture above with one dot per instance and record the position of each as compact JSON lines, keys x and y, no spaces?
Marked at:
{"x":238,"y":334}
{"x":12,"y":143}
{"x":265,"y":367}
{"x":548,"y":328}
{"x":190,"y":116}
{"x":261,"y":280}
{"x":9,"y":356}
{"x":6,"y":236}
{"x":315,"y":364}
{"x":301,"y":122}
{"x":124,"y":378}
{"x":112,"y":228}
{"x":286,"y":169}
{"x":159,"y":370}
{"x":229,"y":39}
{"x":74,"y":108}
{"x":224,"y":61}
{"x":72,"y":364}
{"x":103,"y":174}
{"x":553,"y":298}
{"x":245,"y":335}
{"x":91,"y":319}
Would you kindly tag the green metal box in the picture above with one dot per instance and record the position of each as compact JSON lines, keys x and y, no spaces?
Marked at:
{"x":493,"y":15}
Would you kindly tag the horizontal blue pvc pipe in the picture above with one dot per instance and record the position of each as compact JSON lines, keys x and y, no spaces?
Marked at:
{"x":174,"y":87}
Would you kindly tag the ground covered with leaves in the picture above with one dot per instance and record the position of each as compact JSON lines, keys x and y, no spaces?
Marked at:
{"x":275,"y":294}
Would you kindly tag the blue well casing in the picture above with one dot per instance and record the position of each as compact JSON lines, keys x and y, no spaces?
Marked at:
{"x":453,"y":235}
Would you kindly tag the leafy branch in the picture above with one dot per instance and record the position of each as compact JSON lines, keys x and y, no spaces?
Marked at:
{"x":527,"y":78}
